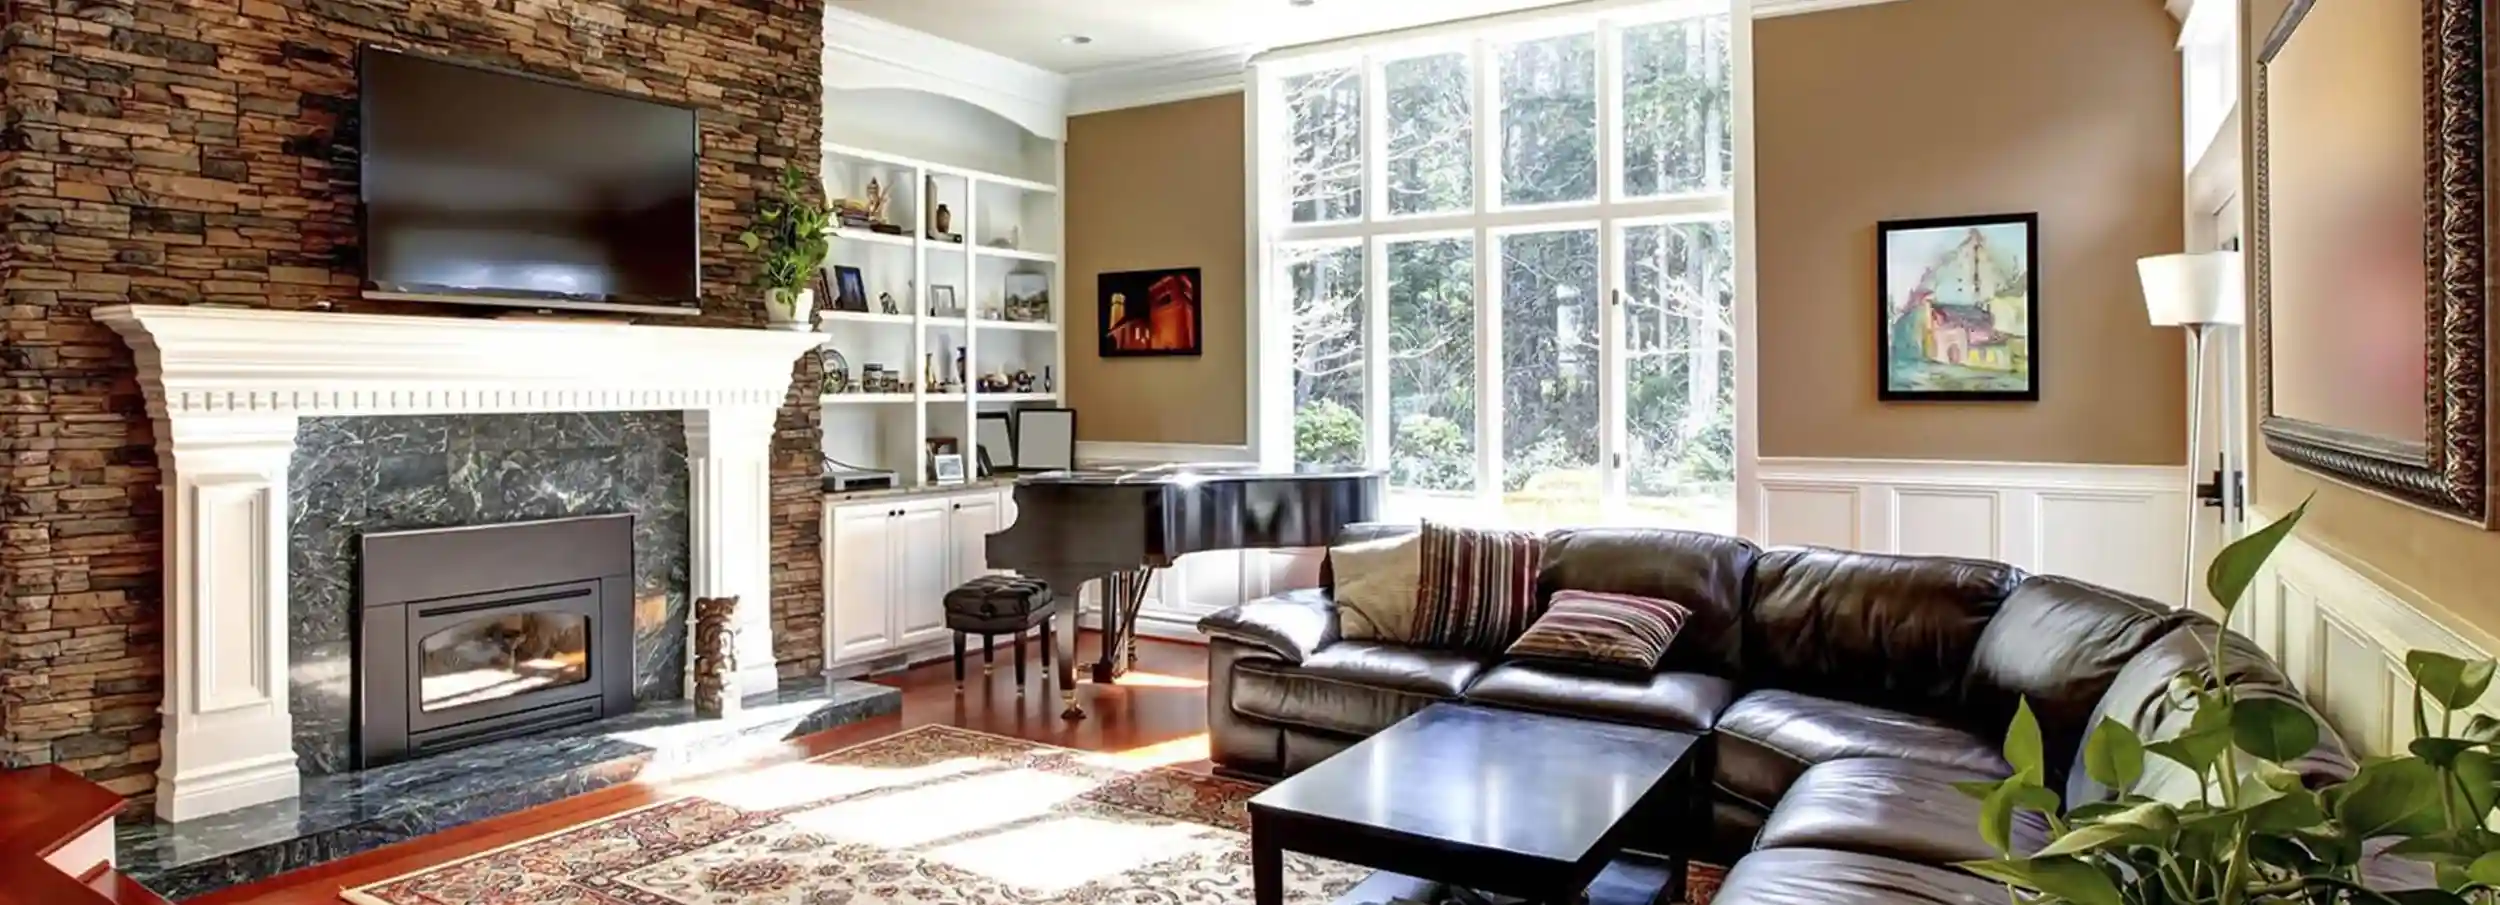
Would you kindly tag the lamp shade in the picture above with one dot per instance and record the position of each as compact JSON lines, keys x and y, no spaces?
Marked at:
{"x":2202,"y":288}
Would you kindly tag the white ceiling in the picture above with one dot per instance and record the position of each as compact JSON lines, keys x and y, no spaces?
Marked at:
{"x":1132,"y":32}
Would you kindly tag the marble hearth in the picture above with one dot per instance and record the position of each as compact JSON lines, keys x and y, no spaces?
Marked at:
{"x":232,"y":393}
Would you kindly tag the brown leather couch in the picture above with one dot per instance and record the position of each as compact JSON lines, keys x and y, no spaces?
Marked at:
{"x":1842,"y":693}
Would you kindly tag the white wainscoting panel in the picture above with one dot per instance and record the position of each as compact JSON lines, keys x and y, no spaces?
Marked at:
{"x":2343,"y":638}
{"x":2117,"y":525}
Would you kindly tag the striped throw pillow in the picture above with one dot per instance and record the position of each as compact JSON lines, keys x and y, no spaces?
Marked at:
{"x":1476,"y":588}
{"x":1612,"y":630}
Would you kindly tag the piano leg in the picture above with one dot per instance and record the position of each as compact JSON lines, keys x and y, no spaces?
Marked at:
{"x":1064,"y":641}
{"x":1124,"y":596}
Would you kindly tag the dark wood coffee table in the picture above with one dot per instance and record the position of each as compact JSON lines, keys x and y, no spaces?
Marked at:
{"x":1495,"y":801}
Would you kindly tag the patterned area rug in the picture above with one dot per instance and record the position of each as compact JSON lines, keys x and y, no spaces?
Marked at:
{"x":931,"y":816}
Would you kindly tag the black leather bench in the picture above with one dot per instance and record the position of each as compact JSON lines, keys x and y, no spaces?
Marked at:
{"x":994,"y":605}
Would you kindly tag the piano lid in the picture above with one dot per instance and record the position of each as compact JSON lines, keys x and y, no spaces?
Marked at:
{"x":1194,"y":473}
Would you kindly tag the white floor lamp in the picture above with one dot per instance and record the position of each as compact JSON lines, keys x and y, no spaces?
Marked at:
{"x":2198,"y":291}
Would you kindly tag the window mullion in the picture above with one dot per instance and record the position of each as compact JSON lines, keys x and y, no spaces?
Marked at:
{"x":1488,"y":119}
{"x":1613,"y":413}
{"x":1375,"y":140}
{"x":1376,"y":420}
{"x":1609,"y":112}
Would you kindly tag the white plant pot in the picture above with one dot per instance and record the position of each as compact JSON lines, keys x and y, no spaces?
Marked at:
{"x":788,"y":310}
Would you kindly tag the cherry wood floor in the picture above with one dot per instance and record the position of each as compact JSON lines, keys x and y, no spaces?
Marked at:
{"x":1156,"y":715}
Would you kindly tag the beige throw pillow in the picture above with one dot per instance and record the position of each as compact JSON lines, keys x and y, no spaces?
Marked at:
{"x":1376,"y":588}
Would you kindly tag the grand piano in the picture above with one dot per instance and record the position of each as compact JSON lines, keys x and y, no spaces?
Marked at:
{"x":1119,"y":526}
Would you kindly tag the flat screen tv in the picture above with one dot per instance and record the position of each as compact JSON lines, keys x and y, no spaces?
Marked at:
{"x":499,"y":188}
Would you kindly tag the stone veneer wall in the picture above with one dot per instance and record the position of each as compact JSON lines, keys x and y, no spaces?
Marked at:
{"x":181,"y":151}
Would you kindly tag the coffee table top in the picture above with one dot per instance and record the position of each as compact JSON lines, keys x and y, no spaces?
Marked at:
{"x":1523,"y":784}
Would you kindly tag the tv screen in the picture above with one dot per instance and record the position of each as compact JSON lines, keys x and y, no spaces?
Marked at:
{"x":486,"y":186}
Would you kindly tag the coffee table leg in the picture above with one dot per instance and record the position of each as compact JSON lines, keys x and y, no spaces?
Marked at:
{"x":1267,"y":864}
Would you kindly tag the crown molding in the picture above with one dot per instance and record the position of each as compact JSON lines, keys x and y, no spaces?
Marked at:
{"x":1225,"y":70}
{"x":862,"y":51}
{"x":1162,"y":80}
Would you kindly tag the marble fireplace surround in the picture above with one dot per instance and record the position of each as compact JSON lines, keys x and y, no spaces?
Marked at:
{"x":225,"y":388}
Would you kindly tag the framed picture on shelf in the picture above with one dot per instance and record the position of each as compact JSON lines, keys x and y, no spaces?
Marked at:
{"x":942,"y":302}
{"x":1150,"y":313}
{"x":850,"y":289}
{"x":947,"y":469}
{"x":1028,"y":297}
{"x":1959,"y":306}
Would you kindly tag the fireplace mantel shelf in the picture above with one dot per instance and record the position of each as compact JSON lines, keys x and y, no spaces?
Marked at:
{"x":202,"y":360}
{"x":225,"y":388}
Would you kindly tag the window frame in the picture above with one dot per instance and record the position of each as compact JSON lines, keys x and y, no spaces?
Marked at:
{"x":1611,"y":214}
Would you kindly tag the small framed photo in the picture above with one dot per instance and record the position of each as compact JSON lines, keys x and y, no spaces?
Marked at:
{"x":850,"y":289}
{"x":942,"y":302}
{"x":947,"y":469}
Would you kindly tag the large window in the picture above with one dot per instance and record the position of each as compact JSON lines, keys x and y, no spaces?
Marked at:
{"x":1505,"y":263}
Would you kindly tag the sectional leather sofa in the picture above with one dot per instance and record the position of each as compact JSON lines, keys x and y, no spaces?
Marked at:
{"x":1842,"y":695}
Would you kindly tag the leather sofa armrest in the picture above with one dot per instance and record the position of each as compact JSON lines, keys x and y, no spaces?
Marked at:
{"x":1293,"y":626}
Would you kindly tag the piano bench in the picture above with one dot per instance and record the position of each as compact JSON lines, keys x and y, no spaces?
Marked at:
{"x":993,"y":605}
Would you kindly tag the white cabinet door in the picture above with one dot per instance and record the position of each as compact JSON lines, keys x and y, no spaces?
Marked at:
{"x":919,"y":551}
{"x":972,"y":520}
{"x":859,"y":608}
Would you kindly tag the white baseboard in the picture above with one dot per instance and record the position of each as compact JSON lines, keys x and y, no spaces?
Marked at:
{"x":2343,"y":638}
{"x":2115,"y":525}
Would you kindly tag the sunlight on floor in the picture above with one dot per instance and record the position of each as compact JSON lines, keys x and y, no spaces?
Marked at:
{"x":789,"y":784}
{"x":955,"y":807}
{"x":1057,"y":855}
{"x":1161,"y":754}
{"x":1159,"y":680}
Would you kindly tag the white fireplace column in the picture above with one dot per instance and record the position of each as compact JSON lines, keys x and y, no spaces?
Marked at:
{"x":228,"y":740}
{"x":729,"y":504}
{"x":226,"y":387}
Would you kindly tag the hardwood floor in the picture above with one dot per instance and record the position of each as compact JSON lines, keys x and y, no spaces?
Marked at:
{"x":1156,"y":715}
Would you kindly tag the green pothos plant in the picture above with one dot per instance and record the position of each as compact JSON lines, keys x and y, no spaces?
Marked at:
{"x":789,"y":238}
{"x":2230,"y":824}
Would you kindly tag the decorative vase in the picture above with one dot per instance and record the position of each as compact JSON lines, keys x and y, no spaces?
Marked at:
{"x":788,"y":310}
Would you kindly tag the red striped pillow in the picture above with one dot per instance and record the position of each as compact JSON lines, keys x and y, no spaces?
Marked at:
{"x":1476,"y":588}
{"x":1616,"y":630}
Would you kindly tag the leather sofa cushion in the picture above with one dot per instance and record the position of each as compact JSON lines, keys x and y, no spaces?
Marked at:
{"x":1351,"y":687}
{"x":2058,"y":643}
{"x":2138,"y":697}
{"x":1807,"y":876}
{"x":1895,"y":632}
{"x":1704,"y":573}
{"x":1668,"y":700}
{"x":1292,"y":625}
{"x":1768,"y":738}
{"x":1896,"y":808}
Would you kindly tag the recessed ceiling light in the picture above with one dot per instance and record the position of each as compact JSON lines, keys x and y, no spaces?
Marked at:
{"x":1303,"y":2}
{"x":1076,"y":39}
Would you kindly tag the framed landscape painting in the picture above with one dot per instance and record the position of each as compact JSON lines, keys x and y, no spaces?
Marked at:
{"x":1959,"y":309}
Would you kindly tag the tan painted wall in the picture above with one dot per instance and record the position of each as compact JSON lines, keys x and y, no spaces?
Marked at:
{"x":1947,"y":107}
{"x":2447,"y":566}
{"x":1156,"y":187}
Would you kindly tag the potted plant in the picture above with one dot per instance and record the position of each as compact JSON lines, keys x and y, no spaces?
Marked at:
{"x":2246,"y":830}
{"x":789,"y":234}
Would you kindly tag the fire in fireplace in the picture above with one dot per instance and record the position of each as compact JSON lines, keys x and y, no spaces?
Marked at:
{"x":469,"y":635}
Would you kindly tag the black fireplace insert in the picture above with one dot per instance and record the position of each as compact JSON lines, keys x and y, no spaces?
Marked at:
{"x":469,"y":635}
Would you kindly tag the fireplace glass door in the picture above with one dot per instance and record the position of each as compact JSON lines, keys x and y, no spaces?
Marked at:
{"x":498,"y":655}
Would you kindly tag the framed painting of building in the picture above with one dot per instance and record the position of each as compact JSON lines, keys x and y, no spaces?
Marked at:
{"x":1958,"y":309}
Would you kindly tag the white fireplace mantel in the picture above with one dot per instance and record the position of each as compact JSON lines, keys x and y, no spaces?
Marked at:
{"x":225,"y":387}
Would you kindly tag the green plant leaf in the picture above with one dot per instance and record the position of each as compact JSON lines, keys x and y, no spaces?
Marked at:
{"x":1978,"y":788}
{"x":2092,"y":838}
{"x":2114,"y":755}
{"x":2013,"y":872}
{"x":1996,"y":812}
{"x":2022,"y":741}
{"x":2282,"y":851}
{"x":2454,"y":682}
{"x":2481,"y":729}
{"x":2194,"y":749}
{"x":2479,"y":773}
{"x":2154,"y":816}
{"x":2075,"y":881}
{"x":750,"y":240}
{"x":2440,"y":752}
{"x":2272,"y":729}
{"x":2485,"y":869}
{"x":2394,"y":796}
{"x":2291,"y":810}
{"x":2237,"y":565}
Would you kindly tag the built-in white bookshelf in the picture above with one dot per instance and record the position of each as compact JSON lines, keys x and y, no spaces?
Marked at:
{"x":1000,"y":187}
